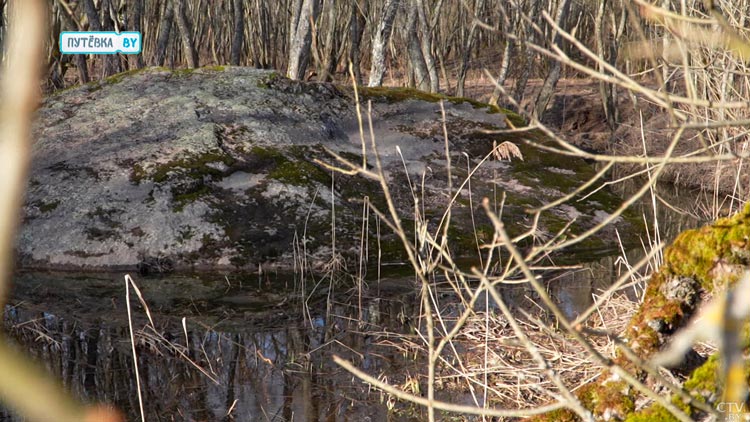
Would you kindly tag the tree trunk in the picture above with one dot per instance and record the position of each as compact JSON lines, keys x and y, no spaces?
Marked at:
{"x":380,"y":41}
{"x":421,"y":76}
{"x":468,"y":45}
{"x":299,"y":49}
{"x":92,"y":15}
{"x":69,"y":24}
{"x":508,"y":21}
{"x":426,"y":43}
{"x":356,"y":29}
{"x":186,"y":33}
{"x":528,"y":36}
{"x":605,"y":89}
{"x":294,"y":21}
{"x":56,"y":63}
{"x":137,"y":22}
{"x":503,"y":75}
{"x":239,"y":32}
{"x":329,"y":47}
{"x":165,"y":27}
{"x":95,"y":24}
{"x":545,"y":94}
{"x":111,"y":61}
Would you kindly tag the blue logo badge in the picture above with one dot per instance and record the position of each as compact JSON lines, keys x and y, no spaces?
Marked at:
{"x":100,"y":42}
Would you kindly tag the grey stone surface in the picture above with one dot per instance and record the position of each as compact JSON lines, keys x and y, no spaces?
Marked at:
{"x":214,"y":169}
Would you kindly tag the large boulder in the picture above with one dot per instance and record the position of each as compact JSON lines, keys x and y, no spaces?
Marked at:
{"x":219,"y":169}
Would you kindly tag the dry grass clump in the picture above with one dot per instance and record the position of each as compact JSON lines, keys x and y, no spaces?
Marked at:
{"x":487,"y":360}
{"x":514,"y":377}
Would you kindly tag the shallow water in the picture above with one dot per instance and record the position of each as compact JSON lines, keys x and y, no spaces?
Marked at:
{"x":245,"y":353}
{"x":251,"y":349}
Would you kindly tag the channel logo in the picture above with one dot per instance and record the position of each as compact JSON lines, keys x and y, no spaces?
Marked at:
{"x":100,"y":42}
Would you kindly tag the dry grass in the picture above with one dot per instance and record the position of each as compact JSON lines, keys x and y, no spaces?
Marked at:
{"x":523,"y":362}
{"x":487,"y":357}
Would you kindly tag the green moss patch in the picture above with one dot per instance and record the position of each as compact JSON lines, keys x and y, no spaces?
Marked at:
{"x":697,"y":253}
{"x":47,"y":206}
{"x":651,"y":414}
{"x":183,"y":196}
{"x":193,"y":166}
{"x":299,"y":173}
{"x":117,"y":78}
{"x":394,"y":95}
{"x":189,"y":71}
{"x":267,"y":81}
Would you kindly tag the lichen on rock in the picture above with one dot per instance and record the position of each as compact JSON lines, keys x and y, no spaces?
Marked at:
{"x":220,"y":168}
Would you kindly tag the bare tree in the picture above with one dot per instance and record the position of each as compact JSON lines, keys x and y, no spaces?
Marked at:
{"x":553,"y":75}
{"x":608,"y":51}
{"x":328,"y":56}
{"x":380,"y":40}
{"x":506,"y":22}
{"x":136,"y":20}
{"x":69,"y":24}
{"x":426,"y":29}
{"x":357,"y":24}
{"x":301,"y":37}
{"x":239,"y":32}
{"x":527,"y":35}
{"x":186,"y":34}
{"x":468,"y":45}
{"x":95,"y":24}
{"x":165,"y":28}
{"x":416,"y":59}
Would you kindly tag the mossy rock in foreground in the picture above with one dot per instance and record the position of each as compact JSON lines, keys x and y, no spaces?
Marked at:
{"x":699,"y":262}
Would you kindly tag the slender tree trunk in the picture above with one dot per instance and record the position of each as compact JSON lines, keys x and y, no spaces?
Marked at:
{"x":137,"y":23}
{"x":259,"y":36}
{"x":503,"y":75}
{"x":95,"y":24}
{"x":508,"y":21}
{"x":545,"y":94}
{"x":426,"y":43}
{"x":165,"y":28}
{"x":421,"y":76}
{"x":356,"y":29}
{"x":380,"y":41}
{"x":528,"y":36}
{"x":239,"y":32}
{"x":299,"y":49}
{"x":69,"y":24}
{"x":186,"y":33}
{"x":468,"y":45}
{"x":56,"y":63}
{"x":329,"y":46}
{"x":92,"y":15}
{"x":605,"y":89}
{"x":294,"y":21}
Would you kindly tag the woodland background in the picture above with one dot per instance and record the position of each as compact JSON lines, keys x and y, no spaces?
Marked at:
{"x":433,"y":45}
{"x":682,"y":65}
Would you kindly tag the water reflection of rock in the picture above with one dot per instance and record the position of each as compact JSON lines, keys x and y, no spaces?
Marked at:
{"x":273,"y":368}
{"x":575,"y":289}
